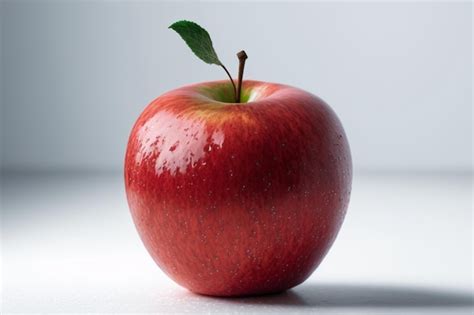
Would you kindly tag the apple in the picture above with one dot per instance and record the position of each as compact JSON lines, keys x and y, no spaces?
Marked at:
{"x":234,"y":199}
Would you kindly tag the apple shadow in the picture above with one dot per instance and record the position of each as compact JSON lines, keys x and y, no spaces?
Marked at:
{"x":344,"y":295}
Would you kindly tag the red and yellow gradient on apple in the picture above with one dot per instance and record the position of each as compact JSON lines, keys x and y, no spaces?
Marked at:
{"x":234,"y":199}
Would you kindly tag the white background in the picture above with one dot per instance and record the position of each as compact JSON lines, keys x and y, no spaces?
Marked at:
{"x":77,"y":74}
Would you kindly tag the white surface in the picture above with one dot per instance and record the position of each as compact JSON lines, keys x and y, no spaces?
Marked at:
{"x":76,"y":74}
{"x":69,"y":245}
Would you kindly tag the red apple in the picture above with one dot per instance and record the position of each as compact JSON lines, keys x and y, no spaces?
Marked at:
{"x":235,"y":199}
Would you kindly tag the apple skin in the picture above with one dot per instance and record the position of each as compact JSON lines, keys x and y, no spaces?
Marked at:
{"x":238,"y":199}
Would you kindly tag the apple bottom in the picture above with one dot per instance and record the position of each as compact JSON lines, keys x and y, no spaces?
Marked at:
{"x":239,"y":251}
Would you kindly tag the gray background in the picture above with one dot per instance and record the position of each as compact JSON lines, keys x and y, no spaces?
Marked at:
{"x":75,"y":75}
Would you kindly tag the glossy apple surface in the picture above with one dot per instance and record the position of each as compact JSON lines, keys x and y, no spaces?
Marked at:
{"x":238,"y":199}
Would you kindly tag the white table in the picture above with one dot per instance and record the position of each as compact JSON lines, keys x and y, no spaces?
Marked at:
{"x":69,"y":245}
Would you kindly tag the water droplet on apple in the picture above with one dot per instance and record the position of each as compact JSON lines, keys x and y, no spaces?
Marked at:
{"x":273,"y":210}
{"x":174,"y":146}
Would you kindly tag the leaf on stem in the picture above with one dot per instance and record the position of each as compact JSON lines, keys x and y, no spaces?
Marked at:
{"x":198,"y":40}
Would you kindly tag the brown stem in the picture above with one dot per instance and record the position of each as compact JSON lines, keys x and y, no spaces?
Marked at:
{"x":232,"y":81}
{"x":242,"y":57}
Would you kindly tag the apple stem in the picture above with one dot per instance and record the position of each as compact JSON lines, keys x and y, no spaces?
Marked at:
{"x":242,"y":57}
{"x":231,"y":80}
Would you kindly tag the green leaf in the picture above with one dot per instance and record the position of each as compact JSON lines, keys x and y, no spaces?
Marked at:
{"x":198,"y":40}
